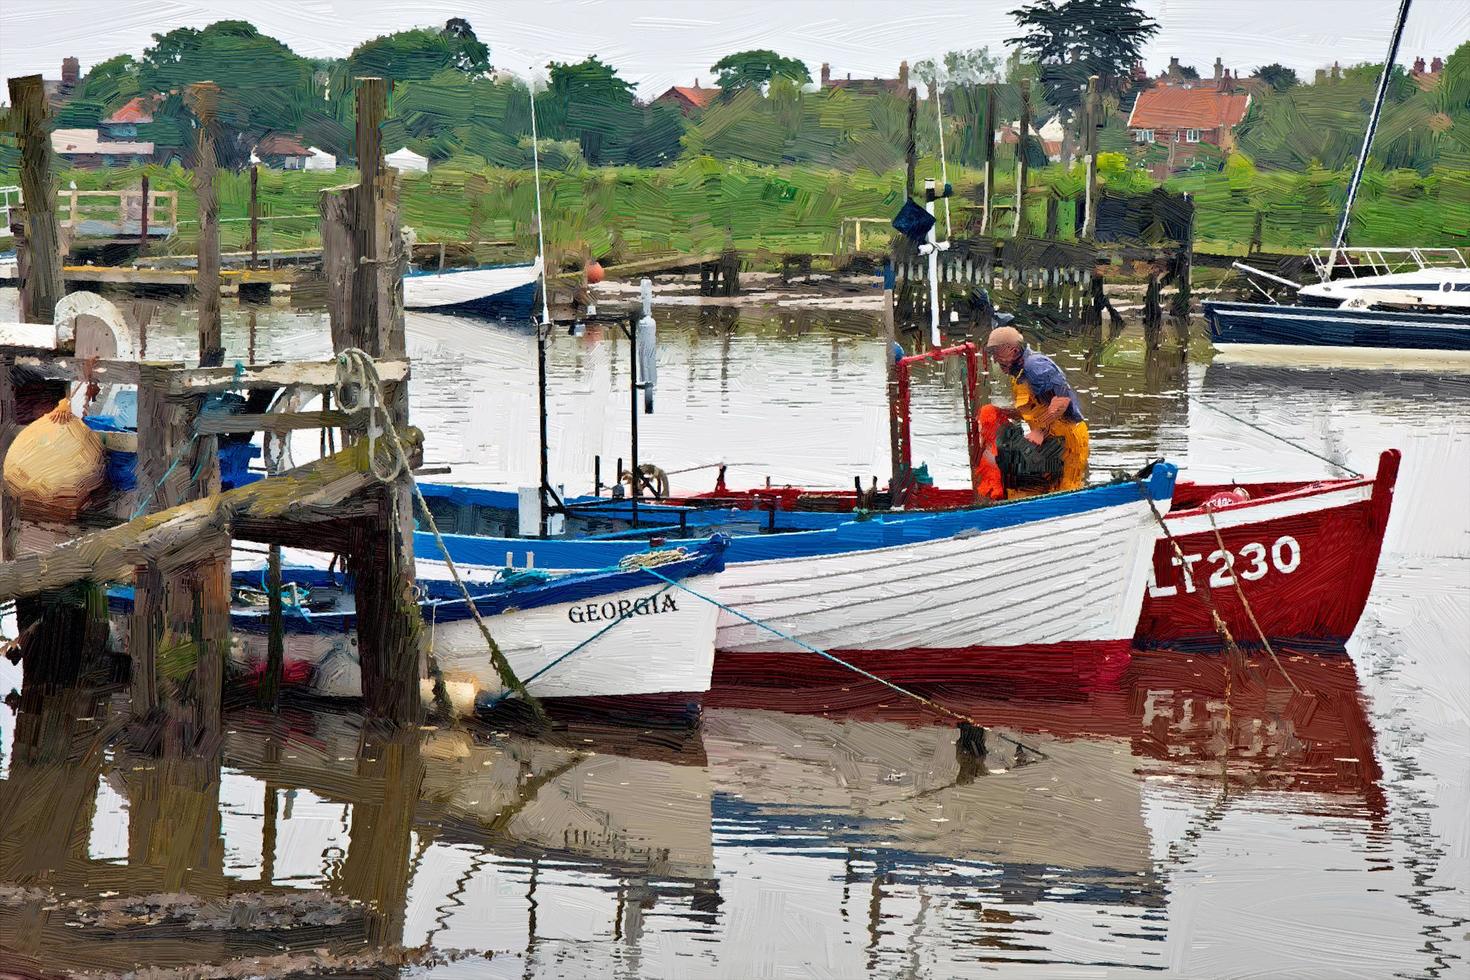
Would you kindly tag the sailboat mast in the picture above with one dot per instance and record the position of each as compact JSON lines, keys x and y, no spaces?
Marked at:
{"x":540,"y":229}
{"x":1347,"y":210}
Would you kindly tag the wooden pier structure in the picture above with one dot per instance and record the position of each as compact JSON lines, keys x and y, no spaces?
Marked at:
{"x":171,"y":536}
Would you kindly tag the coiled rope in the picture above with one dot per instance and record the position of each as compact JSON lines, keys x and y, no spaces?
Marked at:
{"x":357,"y":373}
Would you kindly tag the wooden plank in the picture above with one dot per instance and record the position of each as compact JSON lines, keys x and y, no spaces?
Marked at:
{"x":658,"y":263}
{"x":278,"y":422}
{"x":158,"y":276}
{"x":198,"y":381}
{"x":185,"y":533}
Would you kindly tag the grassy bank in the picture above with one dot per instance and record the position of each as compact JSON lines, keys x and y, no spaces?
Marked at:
{"x":702,"y":204}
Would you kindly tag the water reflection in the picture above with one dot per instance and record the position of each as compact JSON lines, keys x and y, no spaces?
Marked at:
{"x":854,"y":839}
{"x":1191,"y":817}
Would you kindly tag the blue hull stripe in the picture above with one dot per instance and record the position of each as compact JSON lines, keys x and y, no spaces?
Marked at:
{"x":1267,"y":323}
{"x":846,"y":536}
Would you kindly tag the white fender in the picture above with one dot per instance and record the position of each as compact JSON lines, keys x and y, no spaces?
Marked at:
{"x":93,"y":327}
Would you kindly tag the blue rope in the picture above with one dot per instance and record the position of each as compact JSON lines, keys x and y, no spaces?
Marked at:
{"x":504,"y":695}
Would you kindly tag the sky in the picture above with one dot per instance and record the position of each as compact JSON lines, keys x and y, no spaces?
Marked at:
{"x":658,"y":43}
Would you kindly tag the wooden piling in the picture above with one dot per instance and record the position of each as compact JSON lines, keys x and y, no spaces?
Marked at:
{"x":144,"y":199}
{"x":254,"y":216}
{"x":1184,"y":261}
{"x":364,"y":259}
{"x":40,"y":266}
{"x":989,"y":144}
{"x":1018,"y":225}
{"x":911,"y":146}
{"x":203,"y":99}
{"x":1153,"y":313}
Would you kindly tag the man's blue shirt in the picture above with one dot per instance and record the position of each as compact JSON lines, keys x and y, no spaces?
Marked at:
{"x":1047,"y":381}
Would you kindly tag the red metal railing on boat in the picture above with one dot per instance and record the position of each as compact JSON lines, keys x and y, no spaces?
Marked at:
{"x":902,"y":408}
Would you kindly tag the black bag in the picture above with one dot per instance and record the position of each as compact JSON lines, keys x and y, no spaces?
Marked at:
{"x":1023,"y":464}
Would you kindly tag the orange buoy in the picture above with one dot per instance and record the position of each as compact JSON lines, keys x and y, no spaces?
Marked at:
{"x":594,"y":272}
{"x":55,"y":464}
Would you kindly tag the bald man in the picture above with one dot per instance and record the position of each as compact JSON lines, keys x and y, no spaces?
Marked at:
{"x":1045,"y":402}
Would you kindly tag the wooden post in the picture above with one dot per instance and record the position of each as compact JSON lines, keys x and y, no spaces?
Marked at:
{"x":364,"y":260}
{"x":204,"y":103}
{"x":254,"y":215}
{"x":1053,"y":204}
{"x":1184,"y":261}
{"x":1257,"y":229}
{"x":989,"y":144}
{"x":143,"y":217}
{"x":180,"y":606}
{"x":1091,"y":121}
{"x":40,"y":286}
{"x":1153,"y":313}
{"x":911,"y":147}
{"x":1018,"y":225}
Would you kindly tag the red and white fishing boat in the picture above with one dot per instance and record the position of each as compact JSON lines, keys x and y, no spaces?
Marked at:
{"x":1305,"y":552}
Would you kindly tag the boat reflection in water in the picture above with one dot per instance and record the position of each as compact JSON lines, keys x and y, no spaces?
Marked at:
{"x":849,"y":840}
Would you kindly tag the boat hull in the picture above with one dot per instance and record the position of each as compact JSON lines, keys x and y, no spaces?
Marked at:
{"x":1304,"y":558}
{"x":610,"y":636}
{"x":933,"y":610}
{"x":503,"y":292}
{"x":664,"y":646}
{"x":1279,"y":332}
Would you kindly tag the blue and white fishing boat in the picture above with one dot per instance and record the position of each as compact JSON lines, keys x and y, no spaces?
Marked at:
{"x":506,"y":292}
{"x":619,"y":635}
{"x":1384,"y":305}
{"x":922,"y":597}
{"x":1411,"y":309}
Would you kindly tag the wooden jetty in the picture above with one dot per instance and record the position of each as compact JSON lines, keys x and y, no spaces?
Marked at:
{"x":176,"y":548}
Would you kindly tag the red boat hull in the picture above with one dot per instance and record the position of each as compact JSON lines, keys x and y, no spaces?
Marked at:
{"x":1304,"y":555}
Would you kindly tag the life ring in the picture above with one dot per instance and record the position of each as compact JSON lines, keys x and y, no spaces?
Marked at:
{"x":93,"y":328}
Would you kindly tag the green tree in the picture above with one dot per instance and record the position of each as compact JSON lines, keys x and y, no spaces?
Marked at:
{"x":110,"y":83}
{"x":754,"y":69}
{"x":1277,"y":75}
{"x":588,"y":102}
{"x":1070,"y":40}
{"x":415,"y":55}
{"x":264,"y":85}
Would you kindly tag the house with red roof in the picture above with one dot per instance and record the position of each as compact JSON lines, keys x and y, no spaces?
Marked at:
{"x":282,"y":151}
{"x":123,"y":124}
{"x":690,"y":99}
{"x":1184,"y":114}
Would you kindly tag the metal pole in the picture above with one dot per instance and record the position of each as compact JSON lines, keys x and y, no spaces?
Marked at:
{"x":933,"y":266}
{"x":637,"y":482}
{"x":541,"y":336}
{"x":1347,"y":208}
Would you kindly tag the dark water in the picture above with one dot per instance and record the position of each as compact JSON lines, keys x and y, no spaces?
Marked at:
{"x":1182,"y":822}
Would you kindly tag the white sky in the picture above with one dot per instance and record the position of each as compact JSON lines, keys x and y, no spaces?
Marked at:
{"x":657,"y":43}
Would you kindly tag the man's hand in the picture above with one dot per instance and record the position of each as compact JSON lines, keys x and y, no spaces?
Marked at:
{"x":1035,"y":436}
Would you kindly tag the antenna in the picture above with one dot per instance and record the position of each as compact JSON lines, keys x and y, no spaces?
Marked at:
{"x":943,"y":169}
